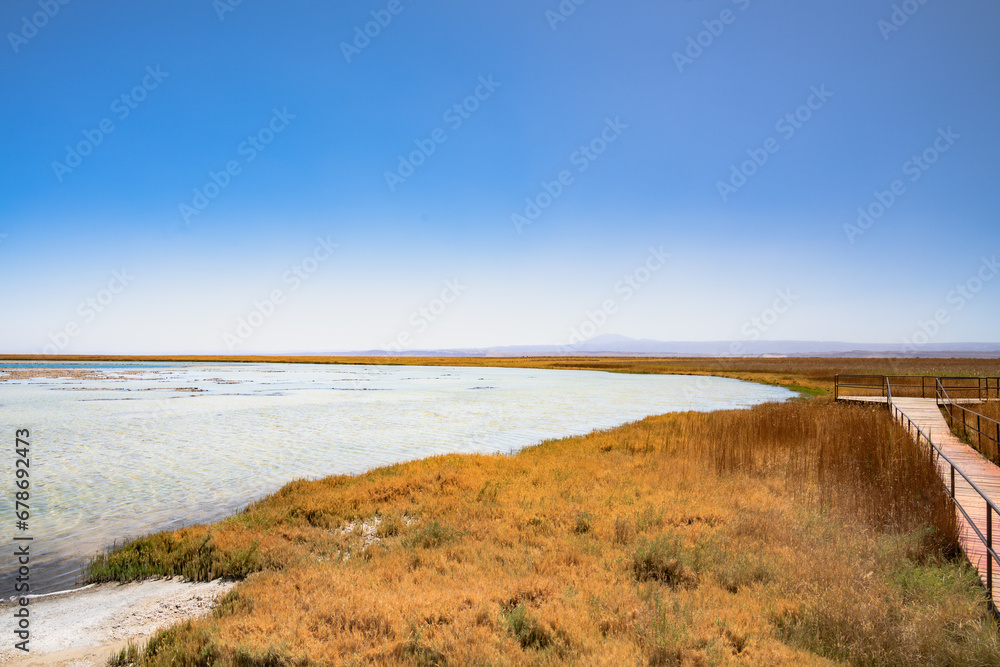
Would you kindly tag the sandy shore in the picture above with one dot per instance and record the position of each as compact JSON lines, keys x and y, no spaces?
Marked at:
{"x":84,"y":627}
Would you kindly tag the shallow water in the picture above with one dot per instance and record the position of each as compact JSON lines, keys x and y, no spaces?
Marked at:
{"x":142,"y":448}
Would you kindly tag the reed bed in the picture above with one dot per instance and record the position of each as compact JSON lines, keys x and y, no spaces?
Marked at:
{"x":977,"y":425}
{"x":799,"y":533}
{"x":989,"y":409}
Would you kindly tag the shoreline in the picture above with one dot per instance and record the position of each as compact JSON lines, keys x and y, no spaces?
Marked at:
{"x":598,"y":530}
{"x":108,"y":379}
{"x":84,"y":626}
{"x":505,"y":559}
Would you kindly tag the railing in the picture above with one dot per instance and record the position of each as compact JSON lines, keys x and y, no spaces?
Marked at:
{"x":974,"y":389}
{"x":991,"y":508}
{"x":911,"y":386}
{"x":918,"y":386}
{"x":922,"y":386}
{"x":865,"y":382}
{"x":986,"y":429}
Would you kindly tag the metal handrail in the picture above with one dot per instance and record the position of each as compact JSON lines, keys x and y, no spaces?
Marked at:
{"x":987,"y":540}
{"x":987,"y":388}
{"x":883,"y":382}
{"x":944,"y":400}
{"x":988,"y":385}
{"x":838,"y":383}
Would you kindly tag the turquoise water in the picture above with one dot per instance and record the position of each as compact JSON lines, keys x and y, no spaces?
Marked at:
{"x":141,"y":448}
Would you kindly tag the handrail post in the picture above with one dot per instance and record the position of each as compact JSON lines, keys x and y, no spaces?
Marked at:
{"x":989,"y":548}
{"x":952,"y":481}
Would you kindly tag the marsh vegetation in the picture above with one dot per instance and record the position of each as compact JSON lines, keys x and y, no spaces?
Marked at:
{"x":795,"y":533}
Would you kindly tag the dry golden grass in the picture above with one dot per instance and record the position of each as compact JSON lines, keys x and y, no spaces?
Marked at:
{"x":801,"y":533}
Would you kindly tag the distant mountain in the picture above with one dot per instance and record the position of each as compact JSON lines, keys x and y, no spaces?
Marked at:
{"x":614,"y":345}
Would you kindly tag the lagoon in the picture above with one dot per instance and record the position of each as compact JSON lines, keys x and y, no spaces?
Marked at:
{"x":120,"y":450}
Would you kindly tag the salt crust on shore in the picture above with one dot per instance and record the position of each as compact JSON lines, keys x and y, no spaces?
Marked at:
{"x":85,"y":626}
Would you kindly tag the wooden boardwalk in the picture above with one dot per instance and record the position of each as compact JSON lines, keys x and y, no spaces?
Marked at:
{"x":925,"y":413}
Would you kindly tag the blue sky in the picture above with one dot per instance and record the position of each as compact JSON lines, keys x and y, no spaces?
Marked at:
{"x":643,"y":109}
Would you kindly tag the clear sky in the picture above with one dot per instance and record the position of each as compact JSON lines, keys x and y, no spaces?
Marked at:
{"x":199,"y":176}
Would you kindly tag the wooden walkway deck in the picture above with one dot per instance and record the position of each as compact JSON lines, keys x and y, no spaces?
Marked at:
{"x":925,"y":413}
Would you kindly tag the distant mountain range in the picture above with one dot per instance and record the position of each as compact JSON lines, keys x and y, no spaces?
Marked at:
{"x":615,"y":345}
